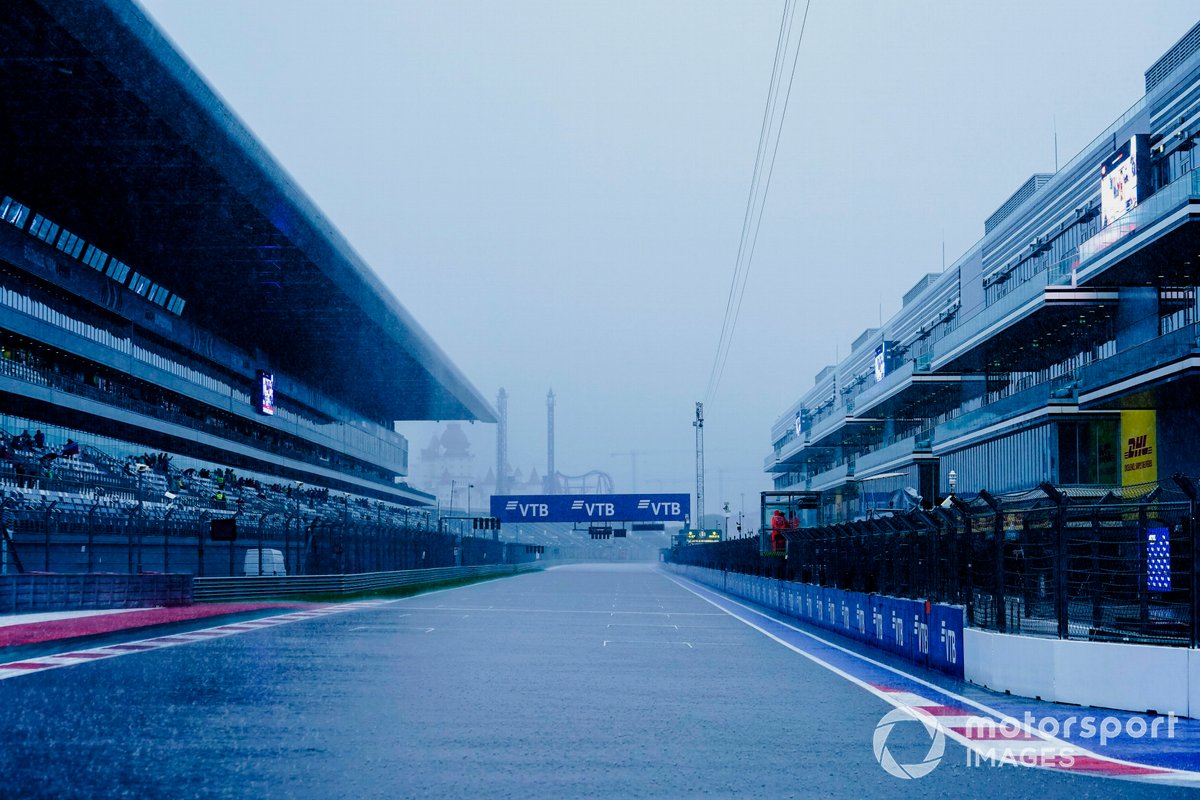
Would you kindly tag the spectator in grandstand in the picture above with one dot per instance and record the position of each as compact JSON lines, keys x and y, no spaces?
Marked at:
{"x":26,"y":440}
{"x":71,"y":448}
{"x":39,"y":439}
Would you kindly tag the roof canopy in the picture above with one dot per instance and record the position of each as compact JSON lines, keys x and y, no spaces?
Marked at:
{"x":112,"y":134}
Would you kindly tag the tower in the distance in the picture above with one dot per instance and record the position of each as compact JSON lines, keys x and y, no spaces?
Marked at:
{"x":551,"y":481}
{"x":502,"y":442}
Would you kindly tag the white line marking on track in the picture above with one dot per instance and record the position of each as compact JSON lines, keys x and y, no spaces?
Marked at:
{"x":1049,"y":760}
{"x":87,"y":655}
{"x":515,"y":610}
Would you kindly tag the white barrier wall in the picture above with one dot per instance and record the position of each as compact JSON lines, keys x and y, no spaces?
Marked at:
{"x":1129,"y":677}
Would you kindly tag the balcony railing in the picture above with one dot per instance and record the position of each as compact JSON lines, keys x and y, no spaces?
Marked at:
{"x":1141,"y":217}
{"x":1139,"y":358}
{"x":989,"y":316}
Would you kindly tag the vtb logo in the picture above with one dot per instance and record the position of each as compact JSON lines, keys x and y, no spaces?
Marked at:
{"x":659,"y":509}
{"x":594,"y":509}
{"x":528,"y":509}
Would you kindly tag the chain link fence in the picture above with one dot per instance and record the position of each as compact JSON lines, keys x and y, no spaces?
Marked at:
{"x":76,"y":534}
{"x":1115,"y":565}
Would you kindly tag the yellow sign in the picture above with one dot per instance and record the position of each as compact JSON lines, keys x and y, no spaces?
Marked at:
{"x":1139,"y":447}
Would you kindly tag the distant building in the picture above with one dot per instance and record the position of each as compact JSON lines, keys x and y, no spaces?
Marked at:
{"x":448,"y":465}
{"x":1061,"y":348}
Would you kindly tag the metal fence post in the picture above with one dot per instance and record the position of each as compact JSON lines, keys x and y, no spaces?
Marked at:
{"x":966,"y":557}
{"x":129,"y":540}
{"x":49,"y":513}
{"x":91,"y":536}
{"x":1061,"y":584}
{"x":1194,"y":595}
{"x":1094,"y":552}
{"x":261,"y":518}
{"x":200,"y":545}
{"x":1189,"y":489}
{"x":166,"y":529}
{"x":998,"y":594}
{"x":1143,"y":567}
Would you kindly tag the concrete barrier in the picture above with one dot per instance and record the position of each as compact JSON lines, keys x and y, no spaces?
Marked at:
{"x":68,"y":592}
{"x":1128,"y":677}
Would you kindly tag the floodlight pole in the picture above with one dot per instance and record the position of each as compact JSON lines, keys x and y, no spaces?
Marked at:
{"x":698,"y":424}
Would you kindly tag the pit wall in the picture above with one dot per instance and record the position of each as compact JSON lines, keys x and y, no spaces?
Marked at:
{"x":927,"y":634}
{"x":1129,"y":677}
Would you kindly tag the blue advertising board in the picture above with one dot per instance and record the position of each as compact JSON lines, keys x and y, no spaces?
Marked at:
{"x":928,"y":634}
{"x":592,"y":507}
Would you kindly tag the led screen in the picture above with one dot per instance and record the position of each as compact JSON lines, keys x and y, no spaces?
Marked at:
{"x":883,"y":358}
{"x":1158,"y":559}
{"x":266,"y":392}
{"x":1119,"y":182}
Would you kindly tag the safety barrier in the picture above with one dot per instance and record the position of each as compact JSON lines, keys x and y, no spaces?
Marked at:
{"x":927,"y":634}
{"x":256,"y":587}
{"x":69,"y":592}
{"x":1083,"y":563}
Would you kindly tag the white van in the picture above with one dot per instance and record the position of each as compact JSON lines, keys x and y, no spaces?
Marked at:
{"x":272,"y":562}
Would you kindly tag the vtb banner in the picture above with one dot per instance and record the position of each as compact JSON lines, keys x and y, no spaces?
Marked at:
{"x":592,"y":507}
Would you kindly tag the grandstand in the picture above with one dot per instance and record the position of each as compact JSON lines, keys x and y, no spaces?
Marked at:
{"x":183,"y":336}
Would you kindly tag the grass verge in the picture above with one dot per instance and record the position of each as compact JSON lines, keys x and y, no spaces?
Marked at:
{"x":393,"y":591}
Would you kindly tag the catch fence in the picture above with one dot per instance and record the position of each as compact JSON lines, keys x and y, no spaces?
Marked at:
{"x":1114,"y":565}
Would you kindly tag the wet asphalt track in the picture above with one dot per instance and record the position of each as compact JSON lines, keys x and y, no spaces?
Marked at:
{"x":587,"y":681}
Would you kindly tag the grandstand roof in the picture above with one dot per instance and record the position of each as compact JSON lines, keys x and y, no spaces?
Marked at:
{"x":109,"y":131}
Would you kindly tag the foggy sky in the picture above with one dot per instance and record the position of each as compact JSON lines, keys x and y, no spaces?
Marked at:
{"x":555,"y":190}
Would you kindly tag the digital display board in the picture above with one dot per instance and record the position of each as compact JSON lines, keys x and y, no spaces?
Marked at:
{"x":696,"y":536}
{"x":1120,"y":179}
{"x":1158,"y":559}
{"x":265,"y":396}
{"x":883,"y":352}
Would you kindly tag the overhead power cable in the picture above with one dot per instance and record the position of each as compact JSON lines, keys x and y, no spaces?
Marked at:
{"x":771,"y":129}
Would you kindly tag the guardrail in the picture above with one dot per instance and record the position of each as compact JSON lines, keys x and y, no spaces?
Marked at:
{"x":258,"y":587}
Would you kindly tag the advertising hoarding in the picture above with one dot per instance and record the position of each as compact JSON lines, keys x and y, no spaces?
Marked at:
{"x":592,"y":508}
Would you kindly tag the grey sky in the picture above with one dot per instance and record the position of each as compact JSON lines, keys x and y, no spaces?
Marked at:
{"x":555,"y":189}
